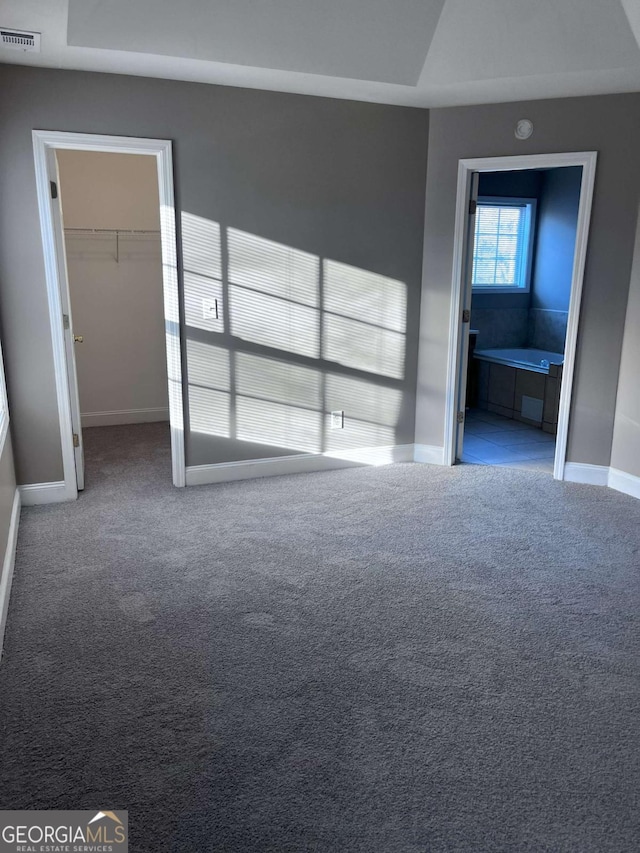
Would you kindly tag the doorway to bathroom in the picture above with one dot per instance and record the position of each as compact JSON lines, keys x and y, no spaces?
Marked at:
{"x":521,"y":236}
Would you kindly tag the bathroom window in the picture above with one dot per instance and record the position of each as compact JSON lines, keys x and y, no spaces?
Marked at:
{"x":503,"y":245}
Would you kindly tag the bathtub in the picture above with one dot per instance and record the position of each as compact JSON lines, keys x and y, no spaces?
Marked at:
{"x":537,"y":360}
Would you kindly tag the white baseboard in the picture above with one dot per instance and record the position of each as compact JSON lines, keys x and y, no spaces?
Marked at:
{"x":302,"y":463}
{"x":429,"y":454}
{"x":34,"y":494}
{"x":373,"y":455}
{"x":623,"y":482}
{"x":125,"y":416}
{"x":579,"y":472}
{"x":7,"y":565}
{"x":602,"y":475}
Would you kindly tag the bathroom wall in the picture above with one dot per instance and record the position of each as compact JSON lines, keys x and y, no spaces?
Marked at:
{"x":523,"y":183}
{"x":502,"y":319}
{"x":558,"y":203}
{"x":538,"y":318}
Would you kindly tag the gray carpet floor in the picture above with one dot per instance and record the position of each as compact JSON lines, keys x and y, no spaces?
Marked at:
{"x":376,"y":660}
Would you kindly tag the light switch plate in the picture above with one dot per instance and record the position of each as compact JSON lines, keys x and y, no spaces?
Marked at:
{"x":337,"y":420}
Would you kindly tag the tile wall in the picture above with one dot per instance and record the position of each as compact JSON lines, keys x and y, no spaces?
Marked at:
{"x":547,"y":329}
{"x":539,"y":328}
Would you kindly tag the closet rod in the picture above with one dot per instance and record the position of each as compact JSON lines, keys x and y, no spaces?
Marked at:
{"x":117,"y":232}
{"x":112,"y":230}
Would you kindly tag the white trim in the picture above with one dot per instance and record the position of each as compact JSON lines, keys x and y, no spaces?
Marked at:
{"x":8,"y":564}
{"x":302,"y":463}
{"x":34,"y":494}
{"x":4,"y":425}
{"x":456,"y":327}
{"x":571,"y":340}
{"x":161,"y":149}
{"x":4,"y":407}
{"x":373,"y":456}
{"x":601,"y":475}
{"x":55,"y":316}
{"x":429,"y":454}
{"x":466,"y":168}
{"x":520,"y":162}
{"x":581,"y":472}
{"x":124,"y":416}
{"x":621,"y":481}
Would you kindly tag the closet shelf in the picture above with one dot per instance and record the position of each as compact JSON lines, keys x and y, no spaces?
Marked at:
{"x":89,"y":231}
{"x":116,"y":233}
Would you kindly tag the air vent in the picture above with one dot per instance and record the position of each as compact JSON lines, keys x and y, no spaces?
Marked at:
{"x":20,"y":40}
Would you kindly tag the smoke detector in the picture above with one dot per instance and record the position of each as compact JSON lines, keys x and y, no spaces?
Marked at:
{"x":19,"y":40}
{"x":524,"y":128}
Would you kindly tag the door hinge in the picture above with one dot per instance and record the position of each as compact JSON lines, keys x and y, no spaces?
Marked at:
{"x":460,"y":417}
{"x":54,"y":189}
{"x":466,"y":316}
{"x":76,"y":440}
{"x":65,"y":321}
{"x":473,"y":206}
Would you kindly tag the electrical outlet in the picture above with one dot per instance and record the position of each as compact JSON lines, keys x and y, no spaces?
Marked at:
{"x":337,"y":420}
{"x":210,"y":309}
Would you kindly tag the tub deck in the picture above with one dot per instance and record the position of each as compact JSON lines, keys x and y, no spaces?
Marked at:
{"x":536,"y":360}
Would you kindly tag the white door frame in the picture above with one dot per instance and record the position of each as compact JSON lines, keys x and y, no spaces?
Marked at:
{"x":65,"y":299}
{"x":44,"y":140}
{"x":586,"y":159}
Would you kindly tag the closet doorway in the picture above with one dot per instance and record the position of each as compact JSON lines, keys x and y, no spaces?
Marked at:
{"x":108,"y":228}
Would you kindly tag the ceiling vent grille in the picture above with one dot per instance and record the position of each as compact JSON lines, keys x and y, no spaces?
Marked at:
{"x":19,"y":40}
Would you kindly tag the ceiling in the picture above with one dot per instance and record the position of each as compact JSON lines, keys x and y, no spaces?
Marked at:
{"x":414,"y":52}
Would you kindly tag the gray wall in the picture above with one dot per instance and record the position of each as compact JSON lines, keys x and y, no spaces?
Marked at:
{"x":625,"y":453}
{"x":339,"y":180}
{"x":7,"y":494}
{"x":607,"y":124}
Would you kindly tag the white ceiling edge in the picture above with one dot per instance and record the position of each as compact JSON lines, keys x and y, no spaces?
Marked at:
{"x":50,"y":18}
{"x":505,"y":90}
{"x":632,"y":11}
{"x":216,"y":73}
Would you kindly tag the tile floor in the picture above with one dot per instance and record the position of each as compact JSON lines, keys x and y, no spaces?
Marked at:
{"x":490,"y":439}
